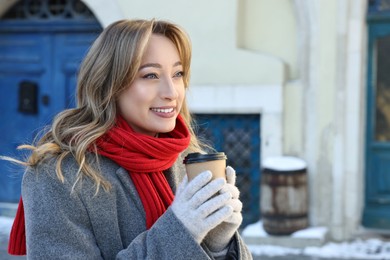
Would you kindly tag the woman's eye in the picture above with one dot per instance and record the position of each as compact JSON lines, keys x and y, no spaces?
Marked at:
{"x":150,"y":76}
{"x":179,"y":74}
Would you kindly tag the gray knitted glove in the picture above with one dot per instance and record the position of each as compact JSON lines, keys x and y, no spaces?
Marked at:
{"x":195,"y":206}
{"x":219,"y":238}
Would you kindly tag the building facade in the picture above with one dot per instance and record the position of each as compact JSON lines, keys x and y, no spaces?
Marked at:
{"x":311,"y":70}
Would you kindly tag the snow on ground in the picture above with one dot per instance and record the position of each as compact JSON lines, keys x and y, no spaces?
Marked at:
{"x":273,"y":250}
{"x":5,"y":225}
{"x":357,"y":249}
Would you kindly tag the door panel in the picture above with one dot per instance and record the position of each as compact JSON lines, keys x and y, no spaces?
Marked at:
{"x":22,"y":57}
{"x":377,"y":196}
{"x":51,"y":60}
{"x":70,"y":50}
{"x":380,"y":192}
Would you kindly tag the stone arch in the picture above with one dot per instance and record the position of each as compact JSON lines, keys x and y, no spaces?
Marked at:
{"x":6,"y":5}
{"x":52,"y":11}
{"x":105,"y":13}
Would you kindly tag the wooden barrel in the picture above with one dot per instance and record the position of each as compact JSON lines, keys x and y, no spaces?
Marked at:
{"x":284,"y":196}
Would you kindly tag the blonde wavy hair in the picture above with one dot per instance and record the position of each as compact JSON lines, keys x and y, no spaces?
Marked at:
{"x":110,"y":65}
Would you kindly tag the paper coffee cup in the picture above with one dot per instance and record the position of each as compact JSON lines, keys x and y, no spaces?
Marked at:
{"x":196,"y":163}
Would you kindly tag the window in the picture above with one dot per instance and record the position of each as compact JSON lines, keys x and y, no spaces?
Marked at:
{"x":238,"y":135}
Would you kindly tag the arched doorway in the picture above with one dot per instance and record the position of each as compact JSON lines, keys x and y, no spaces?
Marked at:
{"x":41,"y":46}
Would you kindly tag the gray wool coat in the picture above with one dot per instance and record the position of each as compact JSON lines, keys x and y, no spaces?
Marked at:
{"x":67,"y":221}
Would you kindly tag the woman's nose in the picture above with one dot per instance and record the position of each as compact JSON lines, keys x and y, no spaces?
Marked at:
{"x":169,"y":90}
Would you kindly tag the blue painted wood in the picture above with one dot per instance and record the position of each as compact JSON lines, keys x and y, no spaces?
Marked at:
{"x":48,"y":54}
{"x":376,"y":213}
{"x":238,"y":135}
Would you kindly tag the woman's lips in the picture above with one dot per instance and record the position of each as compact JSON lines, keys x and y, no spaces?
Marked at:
{"x":166,"y":112}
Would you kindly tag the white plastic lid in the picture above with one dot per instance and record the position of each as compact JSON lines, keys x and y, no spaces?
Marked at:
{"x":284,"y":163}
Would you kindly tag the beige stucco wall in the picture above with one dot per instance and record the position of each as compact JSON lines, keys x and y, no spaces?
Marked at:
{"x":322,"y":127}
{"x":212,"y":26}
{"x":270,"y":27}
{"x":323,"y":110}
{"x":333,"y":86}
{"x":308,"y":130}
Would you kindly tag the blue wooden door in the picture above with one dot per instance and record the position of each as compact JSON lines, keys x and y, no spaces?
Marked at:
{"x":39,"y":60}
{"x":377,"y":172}
{"x":19,"y":61}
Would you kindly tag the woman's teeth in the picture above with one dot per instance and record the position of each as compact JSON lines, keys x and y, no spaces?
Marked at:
{"x":162,"y":110}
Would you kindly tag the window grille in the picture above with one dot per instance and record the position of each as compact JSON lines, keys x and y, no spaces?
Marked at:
{"x":379,"y":6}
{"x":238,"y":135}
{"x":49,"y":10}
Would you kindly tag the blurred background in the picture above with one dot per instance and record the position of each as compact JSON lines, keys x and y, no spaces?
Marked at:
{"x":270,"y":78}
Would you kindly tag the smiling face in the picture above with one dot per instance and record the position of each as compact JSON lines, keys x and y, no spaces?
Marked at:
{"x":151,"y":104}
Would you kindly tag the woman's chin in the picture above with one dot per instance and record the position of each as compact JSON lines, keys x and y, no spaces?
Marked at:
{"x":166,"y":129}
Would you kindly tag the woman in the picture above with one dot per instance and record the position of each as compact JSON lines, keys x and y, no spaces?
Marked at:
{"x":100,"y":183}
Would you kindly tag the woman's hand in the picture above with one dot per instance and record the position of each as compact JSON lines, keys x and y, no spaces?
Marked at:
{"x":219,"y":238}
{"x":198,"y":209}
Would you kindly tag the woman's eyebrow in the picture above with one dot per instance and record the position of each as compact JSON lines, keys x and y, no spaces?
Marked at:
{"x":157,"y":65}
{"x":177,"y":63}
{"x":153,"y":65}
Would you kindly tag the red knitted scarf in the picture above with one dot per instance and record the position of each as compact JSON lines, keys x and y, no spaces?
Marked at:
{"x":144,"y":157}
